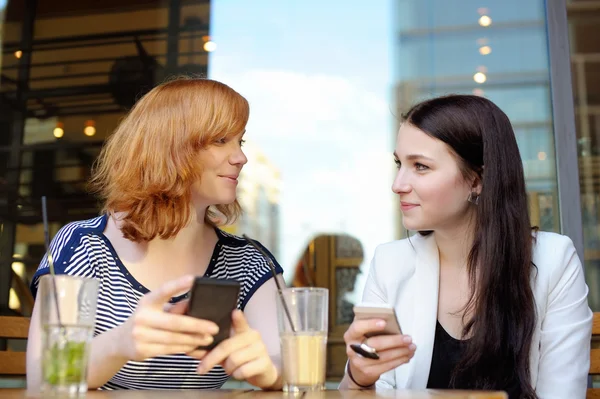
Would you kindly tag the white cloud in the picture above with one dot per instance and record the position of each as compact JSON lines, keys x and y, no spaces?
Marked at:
{"x":299,"y":106}
{"x":332,"y":141}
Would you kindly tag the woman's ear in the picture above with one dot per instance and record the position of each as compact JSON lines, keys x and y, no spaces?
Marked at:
{"x":477,"y":184}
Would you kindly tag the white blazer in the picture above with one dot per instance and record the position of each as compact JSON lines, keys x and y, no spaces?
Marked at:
{"x":407,"y":277}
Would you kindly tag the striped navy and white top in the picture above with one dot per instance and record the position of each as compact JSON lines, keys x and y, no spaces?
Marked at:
{"x":81,"y":249}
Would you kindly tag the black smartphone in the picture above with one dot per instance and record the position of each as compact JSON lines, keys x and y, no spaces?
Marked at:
{"x":214,"y":300}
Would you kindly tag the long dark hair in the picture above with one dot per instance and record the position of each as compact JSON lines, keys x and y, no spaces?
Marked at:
{"x":500,"y":262}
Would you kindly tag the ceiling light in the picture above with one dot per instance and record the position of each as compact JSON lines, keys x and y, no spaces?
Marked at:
{"x":485,"y":21}
{"x":485,"y":50}
{"x":59,"y":130}
{"x":90,"y":128}
{"x":479,"y":77}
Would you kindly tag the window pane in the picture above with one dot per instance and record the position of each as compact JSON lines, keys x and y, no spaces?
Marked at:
{"x":584,"y":30}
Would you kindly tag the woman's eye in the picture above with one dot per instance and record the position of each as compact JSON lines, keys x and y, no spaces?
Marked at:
{"x":398,"y":163}
{"x":242,"y":142}
{"x":420,"y":166}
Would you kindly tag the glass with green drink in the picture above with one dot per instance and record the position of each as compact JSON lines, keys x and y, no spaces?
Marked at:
{"x":68,"y":314}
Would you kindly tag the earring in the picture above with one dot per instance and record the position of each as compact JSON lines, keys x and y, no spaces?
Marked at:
{"x":473,"y":198}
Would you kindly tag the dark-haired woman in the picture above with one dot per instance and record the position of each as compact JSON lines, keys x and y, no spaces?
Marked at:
{"x":484,"y":300}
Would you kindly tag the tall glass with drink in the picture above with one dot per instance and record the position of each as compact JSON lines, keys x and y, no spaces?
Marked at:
{"x":303,"y":315}
{"x":68,"y":314}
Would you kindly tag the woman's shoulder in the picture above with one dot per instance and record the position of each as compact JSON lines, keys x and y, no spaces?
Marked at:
{"x":407,"y":247}
{"x":548,"y":245}
{"x":396,"y":260}
{"x":554,"y":255}
{"x":253,"y":258}
{"x":242,"y":245}
{"x":66,"y":244}
{"x":72,"y":231}
{"x":70,"y":234}
{"x":239,"y":260}
{"x":232,"y":240}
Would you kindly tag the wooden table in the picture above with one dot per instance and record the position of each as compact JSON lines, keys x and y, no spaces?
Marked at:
{"x":241,"y":394}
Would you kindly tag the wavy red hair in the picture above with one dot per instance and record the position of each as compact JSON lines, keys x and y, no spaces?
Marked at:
{"x":148,"y":165}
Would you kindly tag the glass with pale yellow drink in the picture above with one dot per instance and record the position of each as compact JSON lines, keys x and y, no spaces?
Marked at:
{"x":303,"y":316}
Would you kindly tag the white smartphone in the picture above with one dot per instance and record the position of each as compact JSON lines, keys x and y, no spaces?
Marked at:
{"x":364,"y":311}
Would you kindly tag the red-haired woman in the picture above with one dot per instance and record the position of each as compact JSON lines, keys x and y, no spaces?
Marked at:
{"x":166,"y":175}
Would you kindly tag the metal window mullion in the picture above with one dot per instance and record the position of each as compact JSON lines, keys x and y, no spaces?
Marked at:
{"x":565,"y":137}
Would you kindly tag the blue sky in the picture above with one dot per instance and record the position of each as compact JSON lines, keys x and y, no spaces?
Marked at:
{"x":321,"y":76}
{"x":318,"y":78}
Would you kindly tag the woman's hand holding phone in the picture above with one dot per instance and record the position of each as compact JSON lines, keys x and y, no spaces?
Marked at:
{"x":155,"y":328}
{"x":244,"y":356}
{"x":393,"y":349}
{"x":238,"y":348}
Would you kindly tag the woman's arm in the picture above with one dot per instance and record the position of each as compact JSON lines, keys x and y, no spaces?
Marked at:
{"x":565,"y":332}
{"x":373,"y":293}
{"x":261,"y":313}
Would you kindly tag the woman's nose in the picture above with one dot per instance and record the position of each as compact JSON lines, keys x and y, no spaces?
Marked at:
{"x":401,"y":184}
{"x":238,"y":157}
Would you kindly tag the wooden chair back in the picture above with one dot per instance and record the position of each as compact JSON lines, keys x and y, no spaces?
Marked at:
{"x":594,"y":393}
{"x":13,"y":363}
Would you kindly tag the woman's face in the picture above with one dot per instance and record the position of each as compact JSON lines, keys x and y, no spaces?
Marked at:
{"x":221,"y":163}
{"x":433,"y":192}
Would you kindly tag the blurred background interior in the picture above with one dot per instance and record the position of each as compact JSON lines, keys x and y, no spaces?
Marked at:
{"x":326,"y":82}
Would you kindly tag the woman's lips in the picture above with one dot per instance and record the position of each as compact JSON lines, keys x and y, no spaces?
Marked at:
{"x":407,"y":206}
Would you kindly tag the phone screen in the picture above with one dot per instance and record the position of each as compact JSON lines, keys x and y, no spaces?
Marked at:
{"x":214,"y":300}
